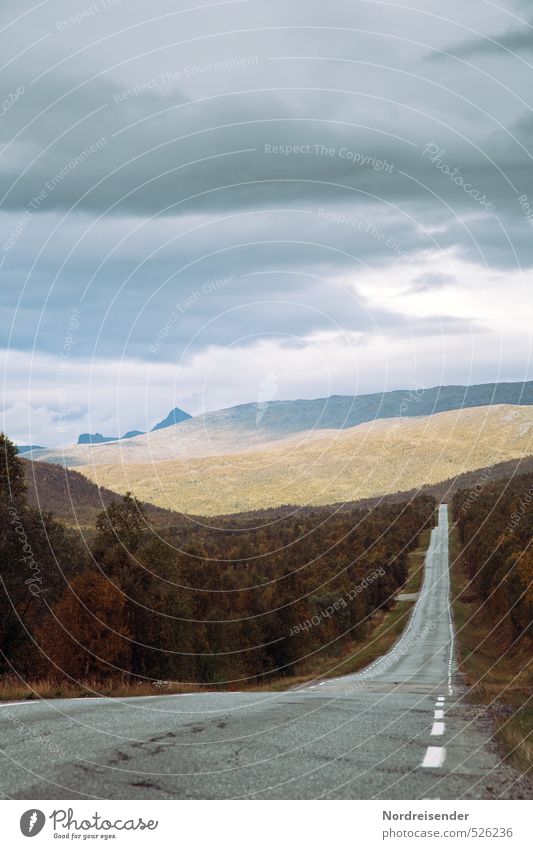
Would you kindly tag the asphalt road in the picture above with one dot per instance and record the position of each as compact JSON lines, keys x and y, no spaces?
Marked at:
{"x":398,"y":730}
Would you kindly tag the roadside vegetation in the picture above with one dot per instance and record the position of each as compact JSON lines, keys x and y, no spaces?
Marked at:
{"x":492,"y":572}
{"x":383,"y":631}
{"x":14,"y":689}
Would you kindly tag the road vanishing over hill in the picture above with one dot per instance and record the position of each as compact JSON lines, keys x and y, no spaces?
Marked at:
{"x":397,"y":730}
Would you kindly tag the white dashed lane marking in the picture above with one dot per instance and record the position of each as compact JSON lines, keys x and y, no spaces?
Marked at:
{"x":439,"y":714}
{"x":437,"y":729}
{"x":434,"y":757}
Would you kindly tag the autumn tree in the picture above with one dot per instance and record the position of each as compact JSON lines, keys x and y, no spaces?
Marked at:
{"x":87,"y":634}
{"x":37,"y":556}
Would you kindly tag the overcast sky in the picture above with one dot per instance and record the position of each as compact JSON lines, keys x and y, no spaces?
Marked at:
{"x":210,"y":203}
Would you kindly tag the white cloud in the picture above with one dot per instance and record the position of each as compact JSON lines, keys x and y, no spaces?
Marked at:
{"x":51,"y":400}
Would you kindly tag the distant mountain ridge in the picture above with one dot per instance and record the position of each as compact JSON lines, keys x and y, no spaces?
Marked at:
{"x":94,"y":439}
{"x":98,"y":439}
{"x":241,"y":428}
{"x":344,"y":411}
{"x":174,"y":417}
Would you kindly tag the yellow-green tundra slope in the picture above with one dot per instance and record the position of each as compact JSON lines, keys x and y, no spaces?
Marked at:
{"x":322,"y":467}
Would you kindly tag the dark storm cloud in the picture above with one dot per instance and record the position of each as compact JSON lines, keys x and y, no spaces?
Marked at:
{"x":513,"y":40}
{"x":238,"y":150}
{"x":172,"y":130}
{"x":217,"y":305}
{"x":270,"y":272}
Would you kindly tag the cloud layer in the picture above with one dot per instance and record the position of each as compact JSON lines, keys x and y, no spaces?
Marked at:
{"x":249,"y":183}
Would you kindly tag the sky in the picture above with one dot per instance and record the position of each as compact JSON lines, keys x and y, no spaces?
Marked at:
{"x":206,"y":204}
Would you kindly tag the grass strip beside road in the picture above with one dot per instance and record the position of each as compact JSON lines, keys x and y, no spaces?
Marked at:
{"x":12,"y":689}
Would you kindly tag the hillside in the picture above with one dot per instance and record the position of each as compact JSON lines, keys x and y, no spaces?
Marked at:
{"x":443,"y":491}
{"x":323,"y":467}
{"x":73,"y":498}
{"x":250,"y":427}
{"x":76,"y":500}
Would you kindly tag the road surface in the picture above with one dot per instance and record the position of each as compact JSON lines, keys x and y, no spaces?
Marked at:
{"x":397,"y":730}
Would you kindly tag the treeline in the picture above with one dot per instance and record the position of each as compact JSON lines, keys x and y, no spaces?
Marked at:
{"x":192,"y":602}
{"x":38,"y":555}
{"x":495,"y":524}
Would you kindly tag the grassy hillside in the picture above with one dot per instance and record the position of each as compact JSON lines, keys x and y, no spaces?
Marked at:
{"x":73,"y":498}
{"x":76,"y":500}
{"x":330,"y":466}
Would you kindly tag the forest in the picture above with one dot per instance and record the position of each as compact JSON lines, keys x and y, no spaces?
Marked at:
{"x":495,"y":524}
{"x":233,"y":600}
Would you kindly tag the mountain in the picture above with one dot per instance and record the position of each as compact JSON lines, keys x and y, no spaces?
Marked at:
{"x":94,"y":439}
{"x":98,"y":439}
{"x":24,"y":449}
{"x":345,"y":411}
{"x":176,"y":416}
{"x":318,"y":467}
